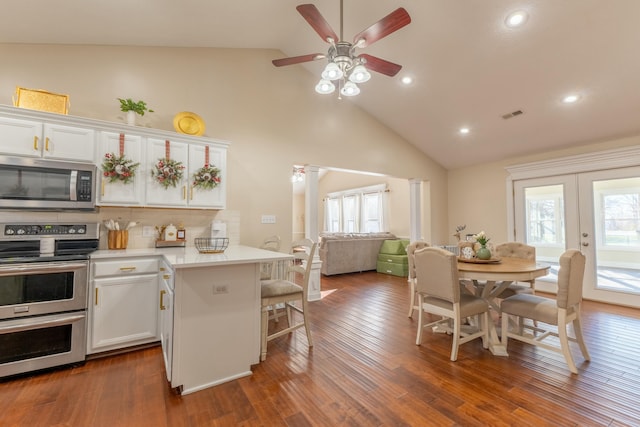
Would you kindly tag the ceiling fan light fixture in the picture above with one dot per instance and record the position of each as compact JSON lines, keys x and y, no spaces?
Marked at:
{"x":325,"y":87}
{"x":359,"y":74}
{"x":332,"y":72}
{"x":350,"y":89}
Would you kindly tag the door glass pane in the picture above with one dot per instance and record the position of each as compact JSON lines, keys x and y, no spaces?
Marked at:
{"x":617,"y":234}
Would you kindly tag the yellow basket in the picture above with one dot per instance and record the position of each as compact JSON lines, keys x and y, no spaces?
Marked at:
{"x":37,"y":99}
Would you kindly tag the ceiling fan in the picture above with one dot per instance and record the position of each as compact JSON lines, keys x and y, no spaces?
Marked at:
{"x":344,"y":65}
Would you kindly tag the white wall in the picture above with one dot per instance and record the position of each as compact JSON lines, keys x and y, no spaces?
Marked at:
{"x":271,"y":115}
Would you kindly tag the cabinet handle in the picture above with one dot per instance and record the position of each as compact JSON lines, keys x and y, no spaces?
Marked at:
{"x":184,"y":192}
{"x":162,"y":269}
{"x":191,"y":198}
{"x":127,"y":268}
{"x":46,"y":144}
{"x":102,"y":189}
{"x":96,"y":296}
{"x":162,"y":306}
{"x":35,"y":143}
{"x":166,"y":276}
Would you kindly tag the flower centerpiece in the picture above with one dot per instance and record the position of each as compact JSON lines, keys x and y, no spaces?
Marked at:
{"x":207,"y":177}
{"x":118,"y":168}
{"x":167,"y":172}
{"x":483,"y":252}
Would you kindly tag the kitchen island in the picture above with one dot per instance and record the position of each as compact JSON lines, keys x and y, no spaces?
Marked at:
{"x":215,"y":333}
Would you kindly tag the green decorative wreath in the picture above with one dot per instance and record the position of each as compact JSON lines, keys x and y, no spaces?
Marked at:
{"x":118,"y":168}
{"x":206,"y":178}
{"x":167,"y":172}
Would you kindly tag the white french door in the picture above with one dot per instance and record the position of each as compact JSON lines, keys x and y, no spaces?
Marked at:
{"x":597,"y":212}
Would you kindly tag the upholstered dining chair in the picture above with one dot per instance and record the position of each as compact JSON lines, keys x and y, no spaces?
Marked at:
{"x":439,"y":293}
{"x":411,"y":248}
{"x":560,"y":312}
{"x":288,"y":293}
{"x":516,"y":250}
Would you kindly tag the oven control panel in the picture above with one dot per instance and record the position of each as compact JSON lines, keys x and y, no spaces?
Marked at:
{"x":61,"y":231}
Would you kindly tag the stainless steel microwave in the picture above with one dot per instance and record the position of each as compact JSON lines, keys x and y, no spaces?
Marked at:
{"x":42,"y":184}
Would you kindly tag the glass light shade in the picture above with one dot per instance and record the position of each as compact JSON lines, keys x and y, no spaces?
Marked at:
{"x":350,"y":89}
{"x":332,"y":72}
{"x":360,"y":74}
{"x":325,"y":87}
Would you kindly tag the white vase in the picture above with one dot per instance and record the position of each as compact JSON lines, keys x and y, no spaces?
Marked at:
{"x":131,"y":117}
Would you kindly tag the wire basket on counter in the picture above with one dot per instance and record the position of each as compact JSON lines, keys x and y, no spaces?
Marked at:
{"x":211,"y":245}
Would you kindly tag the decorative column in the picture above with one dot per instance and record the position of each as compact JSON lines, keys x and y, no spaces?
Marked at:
{"x":415,"y":191}
{"x":311,"y":227}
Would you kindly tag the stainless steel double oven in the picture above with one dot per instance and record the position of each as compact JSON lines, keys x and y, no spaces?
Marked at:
{"x":43,"y":294}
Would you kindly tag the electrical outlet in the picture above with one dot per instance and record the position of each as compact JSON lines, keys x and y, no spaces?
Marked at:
{"x":148,"y":231}
{"x":220,"y":289}
{"x":268,"y":219}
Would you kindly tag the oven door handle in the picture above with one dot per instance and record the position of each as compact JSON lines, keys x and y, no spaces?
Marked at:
{"x":48,"y":267}
{"x":34,"y":323}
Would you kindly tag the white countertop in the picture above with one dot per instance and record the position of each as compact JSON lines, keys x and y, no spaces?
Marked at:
{"x":189,"y":257}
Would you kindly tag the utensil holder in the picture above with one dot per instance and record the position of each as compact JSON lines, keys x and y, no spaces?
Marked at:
{"x":118,"y":239}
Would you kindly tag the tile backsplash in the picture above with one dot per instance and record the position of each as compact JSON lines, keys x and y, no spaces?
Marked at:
{"x":197,"y":223}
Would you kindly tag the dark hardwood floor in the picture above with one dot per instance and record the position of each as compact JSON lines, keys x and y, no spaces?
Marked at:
{"x":364,"y":370}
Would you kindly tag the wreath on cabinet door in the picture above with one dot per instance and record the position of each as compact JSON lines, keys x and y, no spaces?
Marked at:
{"x":207,"y":177}
{"x":167,"y":172}
{"x":118,"y":168}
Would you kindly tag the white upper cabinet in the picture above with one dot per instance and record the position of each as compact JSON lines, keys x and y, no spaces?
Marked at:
{"x":204,"y":190}
{"x":116,"y":186}
{"x":51,"y":140}
{"x":203,"y":196}
{"x":165,"y":160}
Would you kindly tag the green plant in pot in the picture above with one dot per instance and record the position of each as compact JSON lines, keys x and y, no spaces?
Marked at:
{"x":132,"y":108}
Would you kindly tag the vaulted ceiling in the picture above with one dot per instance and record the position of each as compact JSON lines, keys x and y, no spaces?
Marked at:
{"x":468,"y":68}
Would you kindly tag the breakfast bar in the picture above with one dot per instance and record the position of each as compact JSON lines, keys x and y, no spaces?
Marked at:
{"x":213,"y":334}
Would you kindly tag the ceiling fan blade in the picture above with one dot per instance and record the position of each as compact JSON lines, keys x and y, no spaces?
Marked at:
{"x":381,"y":66}
{"x":317,"y":21}
{"x":298,"y":59}
{"x":387,"y":25}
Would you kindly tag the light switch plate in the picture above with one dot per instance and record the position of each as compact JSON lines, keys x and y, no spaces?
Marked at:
{"x":268,"y":219}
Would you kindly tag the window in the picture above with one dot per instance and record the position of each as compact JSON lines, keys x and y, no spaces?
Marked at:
{"x":545,"y":207}
{"x":617,"y":212}
{"x":359,"y":210}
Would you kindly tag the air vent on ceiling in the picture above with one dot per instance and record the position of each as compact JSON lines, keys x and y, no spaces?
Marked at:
{"x":512,"y":114}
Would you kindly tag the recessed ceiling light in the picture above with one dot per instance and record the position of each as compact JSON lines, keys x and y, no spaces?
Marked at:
{"x":407,"y":80}
{"x":516,"y":19}
{"x":464,"y":131}
{"x":570,"y":99}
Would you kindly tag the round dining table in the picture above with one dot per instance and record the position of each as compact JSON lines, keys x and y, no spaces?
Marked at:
{"x":497,"y":274}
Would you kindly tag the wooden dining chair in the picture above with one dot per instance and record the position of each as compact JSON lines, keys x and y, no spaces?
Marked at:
{"x":411,"y":248}
{"x":286,"y":292}
{"x":439,"y":293}
{"x":560,"y":312}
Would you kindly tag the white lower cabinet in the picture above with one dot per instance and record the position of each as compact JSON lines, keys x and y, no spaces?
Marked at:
{"x":123,"y":306}
{"x":166,"y":315}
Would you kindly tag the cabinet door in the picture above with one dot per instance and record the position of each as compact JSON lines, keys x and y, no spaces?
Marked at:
{"x":20,"y":137}
{"x":123,"y":312}
{"x":120,"y":193}
{"x":156,"y":193}
{"x":166,"y":317}
{"x":207,"y":198}
{"x":68,"y":143}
